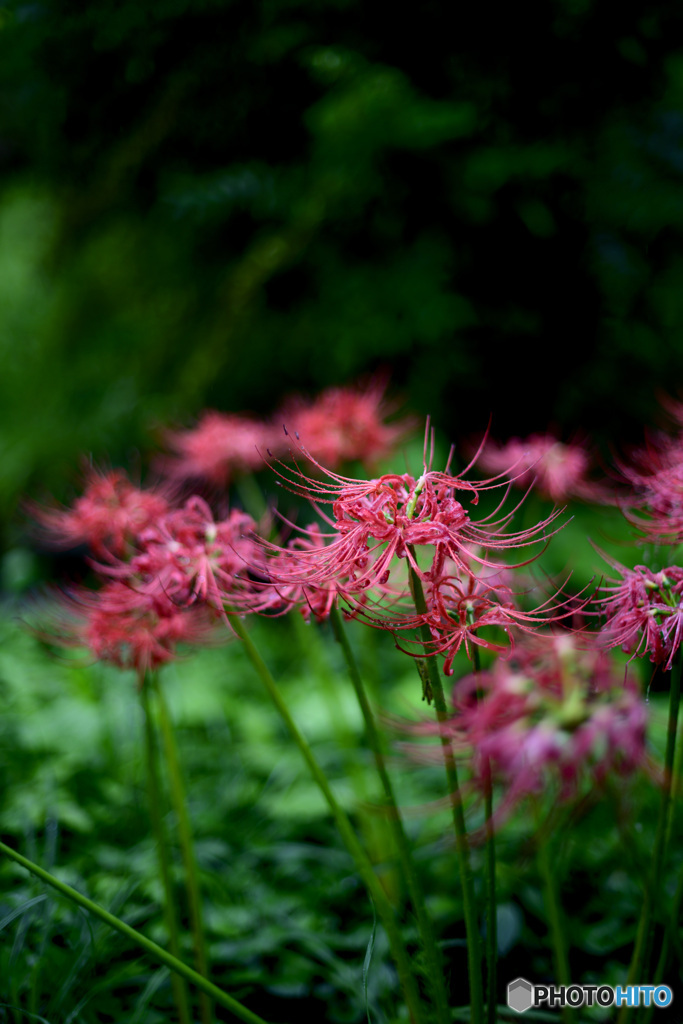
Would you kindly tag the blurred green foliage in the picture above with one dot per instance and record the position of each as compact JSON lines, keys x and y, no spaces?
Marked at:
{"x":210,"y":204}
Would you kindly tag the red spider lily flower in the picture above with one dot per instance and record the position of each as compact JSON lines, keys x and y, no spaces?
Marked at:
{"x":656,"y":475}
{"x":644,"y":612}
{"x":189,"y":557}
{"x":556,"y":470}
{"x":108,"y":515}
{"x":380,"y":520}
{"x":552,"y":712}
{"x":221,"y":447}
{"x":460,"y":606}
{"x":377,"y":525}
{"x":284,"y":585}
{"x":130,"y":629}
{"x":345,"y":424}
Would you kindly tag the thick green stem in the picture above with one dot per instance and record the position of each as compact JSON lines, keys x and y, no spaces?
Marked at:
{"x":363,"y":864}
{"x":373,"y":830}
{"x":178,"y":799}
{"x":555,"y":918}
{"x":432,"y":953}
{"x":156,"y":952}
{"x":665,"y":823}
{"x":461,"y":841}
{"x":180,"y":993}
{"x":491,"y":903}
{"x":675,"y":788}
{"x":490,"y":881}
{"x":671,"y":938}
{"x":311,"y":646}
{"x":644,"y":938}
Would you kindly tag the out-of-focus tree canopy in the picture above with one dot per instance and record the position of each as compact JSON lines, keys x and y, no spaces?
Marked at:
{"x":216,"y":203}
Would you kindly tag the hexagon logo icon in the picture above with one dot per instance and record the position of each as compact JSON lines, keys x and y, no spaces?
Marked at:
{"x":520,"y":995}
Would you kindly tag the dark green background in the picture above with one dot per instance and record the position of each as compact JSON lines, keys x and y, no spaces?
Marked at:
{"x":217,"y":203}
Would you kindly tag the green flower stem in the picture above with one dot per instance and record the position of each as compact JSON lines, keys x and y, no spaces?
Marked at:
{"x":434,"y":963}
{"x":555,"y":917}
{"x":373,"y":829}
{"x":670,"y":934}
{"x":310,"y":643}
{"x":461,"y":842}
{"x":180,"y":993}
{"x":251,"y":496}
{"x":644,"y":937}
{"x":492,"y":907}
{"x":675,"y":787}
{"x":490,"y":882}
{"x":156,"y":952}
{"x":179,"y":802}
{"x":363,"y":864}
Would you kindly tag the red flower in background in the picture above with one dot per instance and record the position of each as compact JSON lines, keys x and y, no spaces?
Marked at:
{"x":127,"y":628}
{"x":167,"y":572}
{"x":644,"y":612}
{"x":344,"y":424}
{"x":109,"y":514}
{"x":558,"y":471}
{"x":188,"y":557}
{"x":656,"y":475}
{"x":555,"y":711}
{"x":221,"y":447}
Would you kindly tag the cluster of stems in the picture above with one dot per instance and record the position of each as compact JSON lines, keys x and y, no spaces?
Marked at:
{"x":172,"y":572}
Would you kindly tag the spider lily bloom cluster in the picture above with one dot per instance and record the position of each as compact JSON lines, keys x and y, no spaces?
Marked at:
{"x":557,"y":471}
{"x":165,"y":577}
{"x":342,"y":424}
{"x":220,"y":448}
{"x":345,"y":425}
{"x":644,"y":612}
{"x":288,"y":586}
{"x":107,"y":516}
{"x":189,"y":557}
{"x":462,"y":604}
{"x":656,"y":476}
{"x":130,"y":629}
{"x":555,"y":711}
{"x":377,"y":528}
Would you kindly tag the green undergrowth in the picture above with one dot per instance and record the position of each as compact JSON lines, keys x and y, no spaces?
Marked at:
{"x":288,"y":920}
